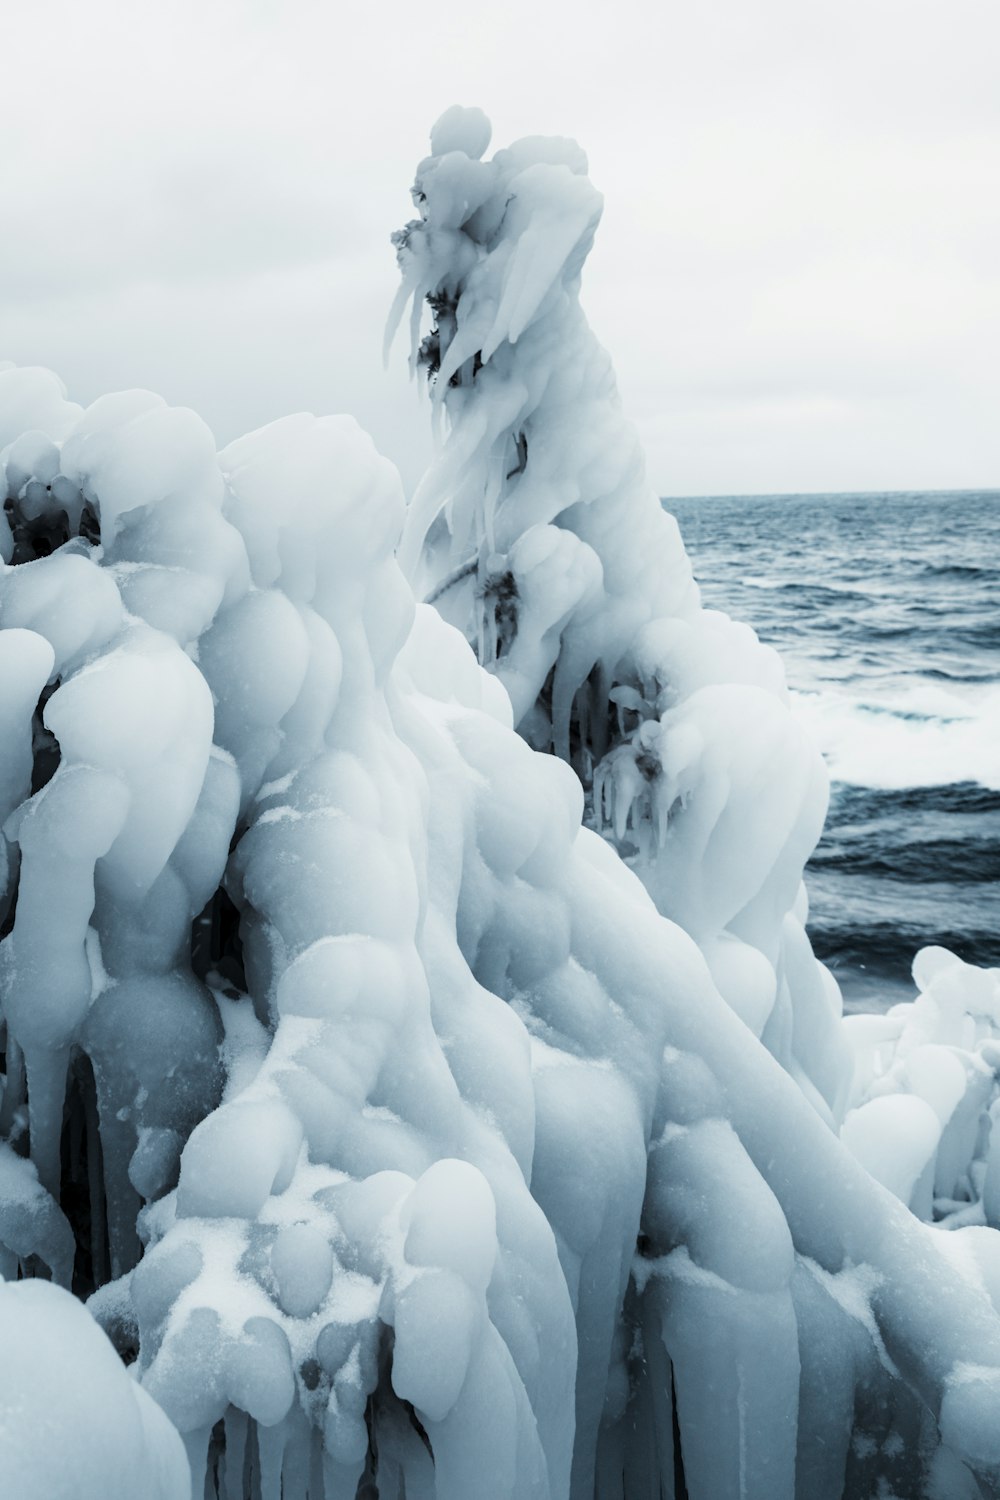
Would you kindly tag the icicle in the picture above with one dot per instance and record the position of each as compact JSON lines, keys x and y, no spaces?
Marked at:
{"x":340,"y":1480}
{"x":123,"y":1202}
{"x":196,"y":1443}
{"x":297,"y":1459}
{"x":46,"y":1069}
{"x":392,"y":322}
{"x":415,"y":317}
{"x":271,"y":1447}
{"x":600,"y":693}
{"x":316,"y":1481}
{"x":95,"y":1183}
{"x":15,"y":1091}
{"x":236,"y":1424}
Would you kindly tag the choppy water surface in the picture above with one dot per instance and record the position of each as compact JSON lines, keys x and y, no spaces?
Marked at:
{"x":886,"y":610}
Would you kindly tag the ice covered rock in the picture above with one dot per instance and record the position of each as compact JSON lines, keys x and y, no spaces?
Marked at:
{"x":73,"y":1426}
{"x":937,"y":1056}
{"x":536,"y":532}
{"x":31,"y":1222}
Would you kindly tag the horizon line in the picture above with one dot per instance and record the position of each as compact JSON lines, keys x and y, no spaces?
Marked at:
{"x":830,"y":494}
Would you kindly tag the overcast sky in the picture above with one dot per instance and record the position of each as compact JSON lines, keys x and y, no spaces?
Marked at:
{"x":798,"y":272}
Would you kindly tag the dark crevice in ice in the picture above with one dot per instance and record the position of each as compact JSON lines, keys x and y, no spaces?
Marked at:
{"x":36,"y":536}
{"x":44,"y":745}
{"x":216,"y":944}
{"x":81,"y":1190}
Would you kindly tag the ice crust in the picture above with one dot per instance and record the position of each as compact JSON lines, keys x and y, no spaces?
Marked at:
{"x":485,"y":1160}
{"x":72,"y":1424}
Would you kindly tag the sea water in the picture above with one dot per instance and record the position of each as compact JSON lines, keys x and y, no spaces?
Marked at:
{"x":886,"y":611}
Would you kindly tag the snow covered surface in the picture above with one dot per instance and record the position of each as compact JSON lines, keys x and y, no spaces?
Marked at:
{"x":73,"y":1426}
{"x":408,"y":1132}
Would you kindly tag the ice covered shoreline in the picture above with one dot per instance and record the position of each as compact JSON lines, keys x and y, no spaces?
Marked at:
{"x":458,"y":1152}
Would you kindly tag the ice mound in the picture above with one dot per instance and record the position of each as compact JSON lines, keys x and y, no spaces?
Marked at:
{"x":536,"y":533}
{"x":403,"y":1144}
{"x":924,"y":1094}
{"x":418,"y":1147}
{"x":72,"y":1424}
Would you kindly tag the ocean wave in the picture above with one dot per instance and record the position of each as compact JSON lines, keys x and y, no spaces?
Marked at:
{"x":912,"y":715}
{"x":919,"y":835}
{"x":956,"y":861}
{"x":887,"y":948}
{"x":860,"y":804}
{"x":963,"y":571}
{"x":983,"y":637}
{"x":808,"y":586}
{"x":968,"y":676}
{"x":899,"y":918}
{"x":927,"y":736}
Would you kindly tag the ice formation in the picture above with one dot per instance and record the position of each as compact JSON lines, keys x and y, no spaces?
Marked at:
{"x":924,"y":1093}
{"x":71,"y":1421}
{"x":402,"y":1142}
{"x":538,"y":535}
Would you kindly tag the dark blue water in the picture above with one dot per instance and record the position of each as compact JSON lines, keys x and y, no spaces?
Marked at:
{"x":886,"y":611}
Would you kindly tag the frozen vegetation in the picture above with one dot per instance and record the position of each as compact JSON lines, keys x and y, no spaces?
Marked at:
{"x":419,"y":1064}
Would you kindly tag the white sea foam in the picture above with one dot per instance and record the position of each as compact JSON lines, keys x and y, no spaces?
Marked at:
{"x":918,"y":735}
